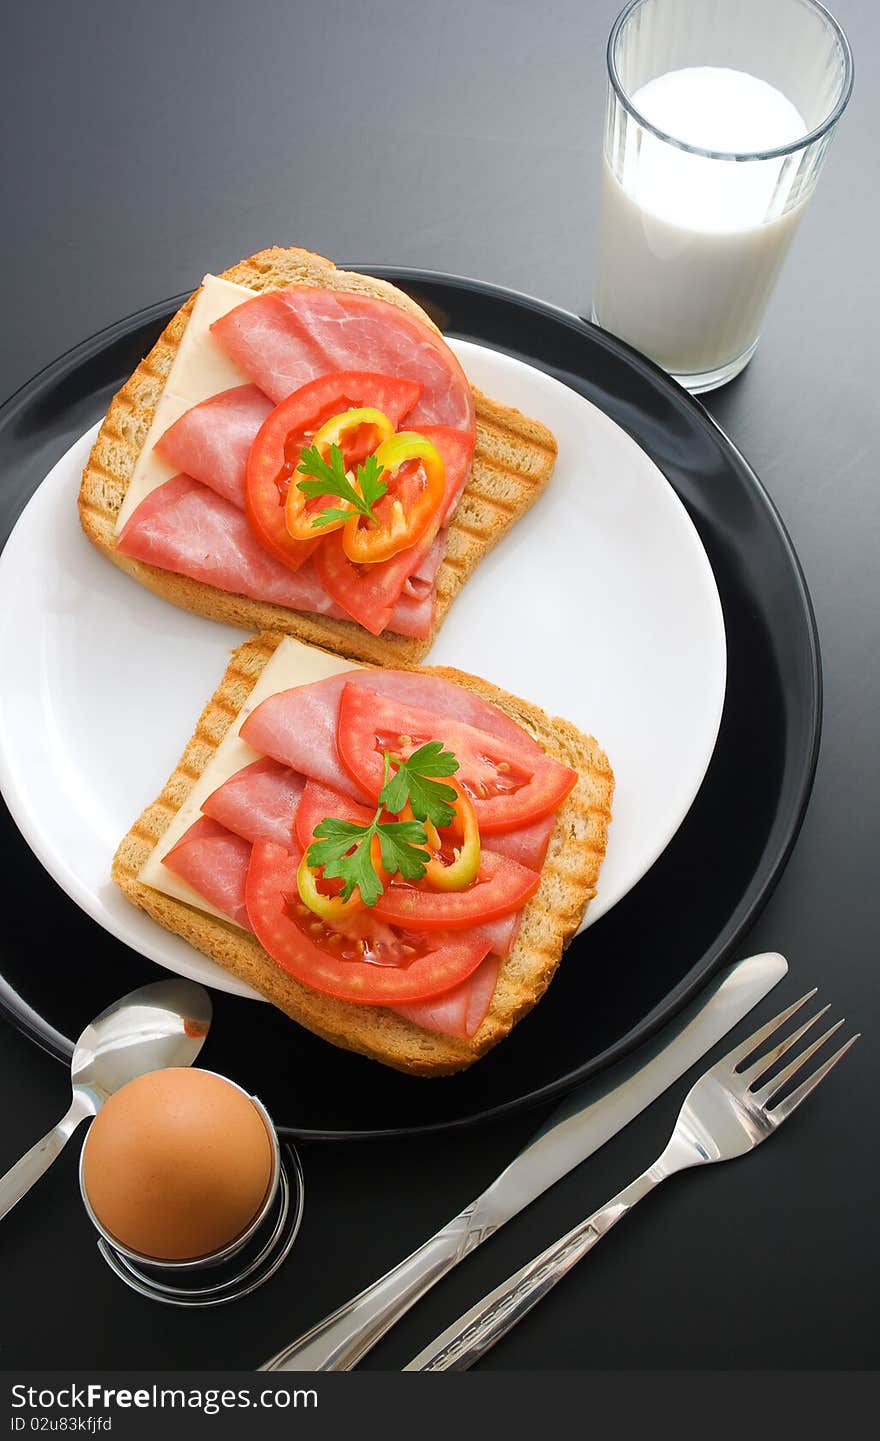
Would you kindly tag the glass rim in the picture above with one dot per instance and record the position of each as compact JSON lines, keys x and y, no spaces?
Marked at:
{"x":778,"y":151}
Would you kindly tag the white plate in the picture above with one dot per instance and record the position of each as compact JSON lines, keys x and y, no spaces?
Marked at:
{"x":600,"y":605}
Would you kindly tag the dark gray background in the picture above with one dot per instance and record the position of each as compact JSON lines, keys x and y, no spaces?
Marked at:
{"x":146,"y":144}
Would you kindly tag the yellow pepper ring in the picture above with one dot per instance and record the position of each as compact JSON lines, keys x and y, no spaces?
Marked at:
{"x":432,"y":835}
{"x":460,"y":872}
{"x":334,"y":431}
{"x":365,"y":543}
{"x":330,"y":908}
{"x":300,"y":520}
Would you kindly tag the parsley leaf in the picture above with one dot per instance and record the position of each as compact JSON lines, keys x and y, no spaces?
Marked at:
{"x":336,"y":840}
{"x":328,"y":513}
{"x":403,"y":848}
{"x":330,"y":478}
{"x":369,"y":484}
{"x":414,"y":781}
{"x":332,"y":849}
{"x":345,"y":849}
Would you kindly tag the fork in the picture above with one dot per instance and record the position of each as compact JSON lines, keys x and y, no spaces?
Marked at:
{"x":727,"y":1113}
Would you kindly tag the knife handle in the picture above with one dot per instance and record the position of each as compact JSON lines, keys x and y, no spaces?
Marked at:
{"x":476,"y":1332}
{"x":339,"y":1341}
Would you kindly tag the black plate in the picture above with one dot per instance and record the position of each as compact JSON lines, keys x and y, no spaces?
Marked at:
{"x":647,"y":957}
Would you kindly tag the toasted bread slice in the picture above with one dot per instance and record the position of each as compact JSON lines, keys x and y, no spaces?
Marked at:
{"x":550,"y":919}
{"x":513,"y":461}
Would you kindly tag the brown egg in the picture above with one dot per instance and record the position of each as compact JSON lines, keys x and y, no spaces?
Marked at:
{"x":177,"y":1163}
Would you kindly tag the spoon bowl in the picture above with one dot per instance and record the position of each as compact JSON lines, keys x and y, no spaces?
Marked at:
{"x":159,"y":1025}
{"x":163,"y":1024}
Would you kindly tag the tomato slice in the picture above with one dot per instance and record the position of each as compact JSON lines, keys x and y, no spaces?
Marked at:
{"x":429,"y":963}
{"x":501,"y":886}
{"x":317,"y":803}
{"x":368,"y":592}
{"x":509,"y":785}
{"x":275,"y":452}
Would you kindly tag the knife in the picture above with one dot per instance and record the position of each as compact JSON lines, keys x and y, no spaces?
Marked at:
{"x":589,"y":1117}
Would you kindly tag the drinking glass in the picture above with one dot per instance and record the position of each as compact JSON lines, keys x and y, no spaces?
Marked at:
{"x":691,"y":238}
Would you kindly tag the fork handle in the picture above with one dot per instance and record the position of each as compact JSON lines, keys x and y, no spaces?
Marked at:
{"x":476,"y":1332}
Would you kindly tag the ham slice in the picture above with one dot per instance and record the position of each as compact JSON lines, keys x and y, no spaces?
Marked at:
{"x":297,"y":727}
{"x":461,"y":1011}
{"x":421,"y":583}
{"x":215,"y":863}
{"x":413,"y":615}
{"x":259,"y":802}
{"x":413,"y":612}
{"x":528,"y":845}
{"x":212,"y":440}
{"x":501,"y":933}
{"x":184,"y":527}
{"x":284,"y":338}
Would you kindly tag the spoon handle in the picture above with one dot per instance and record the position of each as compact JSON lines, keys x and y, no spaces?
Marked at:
{"x":20,"y":1177}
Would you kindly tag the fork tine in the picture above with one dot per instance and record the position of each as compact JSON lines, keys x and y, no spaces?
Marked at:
{"x":763,"y":1095}
{"x":745,"y":1048}
{"x":785,"y":1108}
{"x":755,"y":1071}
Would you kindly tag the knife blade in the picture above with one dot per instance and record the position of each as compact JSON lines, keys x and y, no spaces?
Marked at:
{"x":589,"y":1117}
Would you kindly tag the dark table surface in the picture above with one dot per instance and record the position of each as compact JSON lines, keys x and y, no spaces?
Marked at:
{"x":147,"y":144}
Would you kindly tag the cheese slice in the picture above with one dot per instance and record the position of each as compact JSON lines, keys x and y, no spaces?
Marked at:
{"x":292,"y":664}
{"x":200,"y":369}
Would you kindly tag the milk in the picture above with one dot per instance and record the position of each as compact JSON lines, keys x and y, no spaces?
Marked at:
{"x":689,"y":246}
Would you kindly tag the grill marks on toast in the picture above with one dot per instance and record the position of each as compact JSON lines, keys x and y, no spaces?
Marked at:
{"x":549,"y":920}
{"x":513,"y":461}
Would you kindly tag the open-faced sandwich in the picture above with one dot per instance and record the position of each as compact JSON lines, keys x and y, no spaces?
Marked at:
{"x":301,"y":451}
{"x":396,"y":858}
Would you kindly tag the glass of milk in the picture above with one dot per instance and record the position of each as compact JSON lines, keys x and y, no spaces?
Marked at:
{"x":720,"y":113}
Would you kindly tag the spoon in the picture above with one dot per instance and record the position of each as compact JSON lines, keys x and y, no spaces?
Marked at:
{"x":163,"y":1024}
